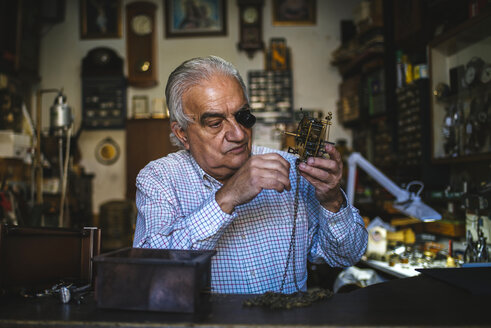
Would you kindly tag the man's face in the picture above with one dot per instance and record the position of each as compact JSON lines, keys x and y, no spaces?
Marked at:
{"x":218,"y":143}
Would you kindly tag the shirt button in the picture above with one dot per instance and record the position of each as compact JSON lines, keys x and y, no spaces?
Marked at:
{"x":243,"y":236}
{"x":332,"y":223}
{"x":253,"y":273}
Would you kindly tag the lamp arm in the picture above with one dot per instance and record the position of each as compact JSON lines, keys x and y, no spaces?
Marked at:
{"x":356,"y":159}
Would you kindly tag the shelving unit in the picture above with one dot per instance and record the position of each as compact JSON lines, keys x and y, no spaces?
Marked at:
{"x":460,"y":77}
{"x":366,"y":95}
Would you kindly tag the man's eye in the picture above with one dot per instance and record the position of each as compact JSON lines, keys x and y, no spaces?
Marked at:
{"x":214,"y":124}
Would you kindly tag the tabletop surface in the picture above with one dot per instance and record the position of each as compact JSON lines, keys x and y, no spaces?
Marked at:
{"x":415,"y":301}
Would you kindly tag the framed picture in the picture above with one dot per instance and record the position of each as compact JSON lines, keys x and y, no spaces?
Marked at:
{"x":100,"y":19}
{"x":140,"y":107}
{"x":296,"y":12}
{"x":188,"y":18}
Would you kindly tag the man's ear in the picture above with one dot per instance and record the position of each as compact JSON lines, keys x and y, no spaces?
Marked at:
{"x":180,"y":133}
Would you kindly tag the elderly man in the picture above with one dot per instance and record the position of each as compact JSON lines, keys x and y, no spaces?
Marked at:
{"x":220,"y":192}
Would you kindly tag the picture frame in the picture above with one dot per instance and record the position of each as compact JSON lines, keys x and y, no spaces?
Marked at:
{"x":300,"y":12}
{"x":100,"y":19}
{"x":191,"y":18}
{"x":140,"y":106}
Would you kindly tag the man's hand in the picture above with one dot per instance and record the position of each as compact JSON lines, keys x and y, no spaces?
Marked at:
{"x":268,"y":171}
{"x":325,"y":175}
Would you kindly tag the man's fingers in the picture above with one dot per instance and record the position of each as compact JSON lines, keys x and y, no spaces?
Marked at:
{"x":271,"y":179}
{"x":321,"y":174}
{"x":270,"y":171}
{"x":275,"y":185}
{"x":315,"y":166}
{"x":270,"y":161}
{"x":333,"y":152}
{"x":330,"y":163}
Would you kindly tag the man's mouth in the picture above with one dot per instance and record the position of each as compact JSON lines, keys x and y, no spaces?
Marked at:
{"x":238,"y":150}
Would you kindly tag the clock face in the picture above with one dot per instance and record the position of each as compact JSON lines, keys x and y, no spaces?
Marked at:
{"x":250,"y":15}
{"x":486,"y":74}
{"x":141,"y":25}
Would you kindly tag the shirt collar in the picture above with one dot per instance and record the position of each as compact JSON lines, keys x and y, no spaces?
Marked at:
{"x":207,"y":179}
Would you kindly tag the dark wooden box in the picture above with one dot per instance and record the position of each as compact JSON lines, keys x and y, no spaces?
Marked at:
{"x":153,"y":279}
{"x":35,"y":258}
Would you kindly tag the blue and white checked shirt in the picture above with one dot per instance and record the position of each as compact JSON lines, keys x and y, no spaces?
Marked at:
{"x":177,"y":210}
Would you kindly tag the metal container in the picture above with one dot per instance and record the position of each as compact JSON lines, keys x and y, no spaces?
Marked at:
{"x":60,"y":113}
{"x":153,"y":279}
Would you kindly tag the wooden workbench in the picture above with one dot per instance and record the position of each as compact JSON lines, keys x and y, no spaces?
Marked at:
{"x":415,"y":301}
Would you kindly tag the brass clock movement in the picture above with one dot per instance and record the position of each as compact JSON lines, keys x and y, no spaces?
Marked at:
{"x":251,"y":26}
{"x":141,"y":44}
{"x":311,"y":137}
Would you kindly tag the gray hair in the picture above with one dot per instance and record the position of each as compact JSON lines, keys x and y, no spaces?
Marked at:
{"x":188,"y":74}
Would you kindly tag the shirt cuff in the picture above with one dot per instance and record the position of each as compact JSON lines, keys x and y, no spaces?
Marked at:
{"x":209,"y":220}
{"x":337,"y":222}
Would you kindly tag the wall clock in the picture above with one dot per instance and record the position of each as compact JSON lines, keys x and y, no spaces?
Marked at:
{"x":251,"y":26}
{"x":141,"y":44}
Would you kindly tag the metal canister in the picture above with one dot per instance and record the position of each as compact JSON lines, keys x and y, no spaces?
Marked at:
{"x":60,"y":113}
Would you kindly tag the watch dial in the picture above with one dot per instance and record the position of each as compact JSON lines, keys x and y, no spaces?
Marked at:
{"x":486,"y":74}
{"x":250,"y":15}
{"x":141,"y":25}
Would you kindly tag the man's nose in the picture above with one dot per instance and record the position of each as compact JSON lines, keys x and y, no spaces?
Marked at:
{"x":235,"y":131}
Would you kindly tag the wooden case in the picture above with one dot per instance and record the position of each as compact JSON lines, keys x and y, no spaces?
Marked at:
{"x":38,"y":258}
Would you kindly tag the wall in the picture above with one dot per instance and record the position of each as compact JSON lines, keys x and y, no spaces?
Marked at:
{"x":315,"y":81}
